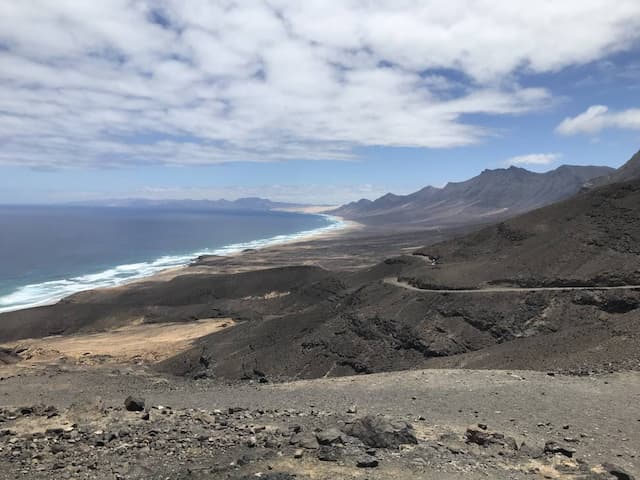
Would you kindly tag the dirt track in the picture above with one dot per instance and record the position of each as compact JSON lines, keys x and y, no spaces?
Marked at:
{"x":398,"y":283}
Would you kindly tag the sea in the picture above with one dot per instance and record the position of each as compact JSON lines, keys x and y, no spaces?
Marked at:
{"x":50,"y":252}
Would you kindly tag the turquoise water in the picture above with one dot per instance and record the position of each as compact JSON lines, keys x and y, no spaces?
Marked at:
{"x":49,"y":252}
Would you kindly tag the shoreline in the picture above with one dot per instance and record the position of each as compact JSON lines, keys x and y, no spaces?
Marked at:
{"x":338,"y":227}
{"x":173,"y":272}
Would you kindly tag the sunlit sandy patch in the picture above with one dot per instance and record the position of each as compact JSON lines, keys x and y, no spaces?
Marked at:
{"x":135,"y":343}
{"x":557,"y":468}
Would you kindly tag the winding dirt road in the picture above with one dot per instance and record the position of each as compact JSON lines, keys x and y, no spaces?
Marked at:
{"x":397,"y":283}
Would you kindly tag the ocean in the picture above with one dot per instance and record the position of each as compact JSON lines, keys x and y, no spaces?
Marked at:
{"x":49,"y":252}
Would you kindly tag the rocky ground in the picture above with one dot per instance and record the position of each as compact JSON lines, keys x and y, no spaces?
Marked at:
{"x":128,"y":422}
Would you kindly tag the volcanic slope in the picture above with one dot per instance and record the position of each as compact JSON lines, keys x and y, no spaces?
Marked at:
{"x":628,"y":171}
{"x":367,"y":324}
{"x":493,"y":195}
{"x":592,"y":239}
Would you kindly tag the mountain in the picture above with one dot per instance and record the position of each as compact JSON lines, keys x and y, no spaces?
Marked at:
{"x":381,"y":318}
{"x":592,"y":238}
{"x":490,"y":196}
{"x":628,"y":171}
{"x":248,"y":203}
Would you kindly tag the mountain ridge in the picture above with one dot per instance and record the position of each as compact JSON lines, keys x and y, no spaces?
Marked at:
{"x":629,"y":171}
{"x":561,"y":243}
{"x":244,"y":203}
{"x":490,"y":196}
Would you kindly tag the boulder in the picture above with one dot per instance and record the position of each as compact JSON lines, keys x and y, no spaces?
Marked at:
{"x":367,"y":461}
{"x":531,"y":451}
{"x":305,"y":440}
{"x":330,"y":436}
{"x":328,"y":454}
{"x":8,"y":357}
{"x":553,"y":448}
{"x":134,"y":404}
{"x":485,"y":439}
{"x":379,"y":432}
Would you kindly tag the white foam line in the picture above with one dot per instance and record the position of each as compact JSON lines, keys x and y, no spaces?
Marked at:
{"x":45,"y":293}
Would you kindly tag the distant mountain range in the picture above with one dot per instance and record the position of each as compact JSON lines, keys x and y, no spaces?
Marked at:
{"x":490,"y":196}
{"x":249,"y":203}
{"x":591,"y":238}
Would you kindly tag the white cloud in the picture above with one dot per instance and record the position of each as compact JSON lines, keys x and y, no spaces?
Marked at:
{"x":533,"y":159}
{"x":201,"y":81}
{"x":599,"y":117}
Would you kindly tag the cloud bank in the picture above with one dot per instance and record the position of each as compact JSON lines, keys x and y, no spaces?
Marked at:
{"x":126,"y":82}
{"x":597,"y":118}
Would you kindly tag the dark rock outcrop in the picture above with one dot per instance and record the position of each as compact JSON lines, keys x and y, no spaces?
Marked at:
{"x":134,"y":404}
{"x":379,"y":432}
{"x":485,"y":439}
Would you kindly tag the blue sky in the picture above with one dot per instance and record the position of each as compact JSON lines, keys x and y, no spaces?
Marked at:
{"x":315,"y":101}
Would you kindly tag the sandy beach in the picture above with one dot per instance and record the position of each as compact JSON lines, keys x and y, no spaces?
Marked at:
{"x":345,"y":227}
{"x":200,"y":266}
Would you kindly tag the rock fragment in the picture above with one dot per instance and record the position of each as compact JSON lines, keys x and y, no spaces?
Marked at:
{"x":305,"y":440}
{"x":134,"y":404}
{"x":328,"y":454}
{"x":485,"y":439}
{"x":330,"y":436}
{"x":367,"y":461}
{"x":557,"y":448}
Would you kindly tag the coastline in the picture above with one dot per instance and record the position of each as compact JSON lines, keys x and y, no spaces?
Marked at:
{"x":168,"y":267}
{"x":165,"y":275}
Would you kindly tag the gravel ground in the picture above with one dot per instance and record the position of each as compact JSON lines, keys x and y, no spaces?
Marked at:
{"x":597,"y":418}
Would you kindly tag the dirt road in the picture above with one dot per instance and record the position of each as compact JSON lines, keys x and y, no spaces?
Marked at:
{"x":401,"y":284}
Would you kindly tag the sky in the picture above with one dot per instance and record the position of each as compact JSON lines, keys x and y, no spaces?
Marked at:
{"x":315,"y":101}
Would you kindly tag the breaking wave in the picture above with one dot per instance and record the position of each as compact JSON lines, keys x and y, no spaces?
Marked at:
{"x":45,"y":293}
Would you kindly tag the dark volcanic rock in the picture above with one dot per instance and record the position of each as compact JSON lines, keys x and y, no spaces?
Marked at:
{"x":8,"y":357}
{"x":555,"y":447}
{"x":134,"y":404}
{"x":330,"y":436}
{"x":618,"y":472}
{"x":484,"y":438}
{"x":531,"y":451}
{"x":367,"y":461}
{"x":305,"y":440}
{"x":380,"y":432}
{"x":328,"y":454}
